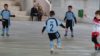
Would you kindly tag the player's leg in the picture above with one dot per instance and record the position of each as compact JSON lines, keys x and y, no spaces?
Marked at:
{"x":32,"y":18}
{"x":7,"y":28}
{"x":51,"y":42}
{"x":59,"y":43}
{"x":66,"y":30}
{"x":71,"y":28}
{"x":3,"y":28}
{"x":94,"y":39}
{"x":51,"y":46}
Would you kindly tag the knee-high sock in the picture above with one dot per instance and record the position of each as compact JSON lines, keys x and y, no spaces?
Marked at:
{"x":7,"y":30}
{"x":59,"y":42}
{"x":51,"y":44}
{"x":3,"y":30}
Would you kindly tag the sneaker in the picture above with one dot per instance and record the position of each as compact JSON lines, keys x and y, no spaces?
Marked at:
{"x":52,"y":51}
{"x":72,"y":36}
{"x":60,"y":47}
{"x":7,"y":35}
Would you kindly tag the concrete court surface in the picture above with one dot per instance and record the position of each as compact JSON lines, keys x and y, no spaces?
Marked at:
{"x":26,"y":40}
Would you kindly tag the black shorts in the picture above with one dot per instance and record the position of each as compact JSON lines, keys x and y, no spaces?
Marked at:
{"x":69,"y":23}
{"x":53,"y":36}
{"x":5,"y":23}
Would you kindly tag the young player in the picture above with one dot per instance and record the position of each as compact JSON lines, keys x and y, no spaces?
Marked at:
{"x":96,"y":30}
{"x":6,"y":14}
{"x":69,"y":19}
{"x":51,"y":27}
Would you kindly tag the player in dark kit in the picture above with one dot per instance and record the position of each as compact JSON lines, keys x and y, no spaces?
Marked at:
{"x":6,"y":14}
{"x":51,"y":27}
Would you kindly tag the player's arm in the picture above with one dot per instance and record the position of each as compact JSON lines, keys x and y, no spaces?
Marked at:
{"x":62,"y":25}
{"x":65,"y":17}
{"x":74,"y":17}
{"x":12,"y":16}
{"x":0,"y":16}
{"x":43,"y":29}
{"x":96,"y":23}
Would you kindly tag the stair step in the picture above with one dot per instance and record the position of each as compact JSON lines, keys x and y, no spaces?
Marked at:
{"x":2,"y":2}
{"x":21,"y":18}
{"x":16,"y":8}
{"x":19,"y":13}
{"x":26,"y":18}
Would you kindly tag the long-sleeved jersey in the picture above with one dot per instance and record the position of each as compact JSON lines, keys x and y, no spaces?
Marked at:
{"x":96,"y":27}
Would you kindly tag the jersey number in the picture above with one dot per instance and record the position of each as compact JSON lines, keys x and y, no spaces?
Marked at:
{"x":51,"y":29}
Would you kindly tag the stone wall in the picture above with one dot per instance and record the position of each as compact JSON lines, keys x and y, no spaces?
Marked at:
{"x":89,"y":6}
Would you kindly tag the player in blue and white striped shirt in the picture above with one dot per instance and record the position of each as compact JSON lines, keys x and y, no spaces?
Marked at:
{"x":51,"y":27}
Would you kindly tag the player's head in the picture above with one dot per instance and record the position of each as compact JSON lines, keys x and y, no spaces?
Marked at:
{"x":52,"y":13}
{"x":97,"y":14}
{"x":6,"y":6}
{"x":70,"y":8}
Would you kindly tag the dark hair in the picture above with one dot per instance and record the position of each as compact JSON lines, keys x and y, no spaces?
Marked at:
{"x":52,"y":13}
{"x":69,"y":6}
{"x":5,"y":4}
{"x":97,"y":12}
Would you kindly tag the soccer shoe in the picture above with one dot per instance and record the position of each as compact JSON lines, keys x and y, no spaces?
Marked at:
{"x":7,"y":35}
{"x":72,"y":36}
{"x":52,"y":51}
{"x":57,"y":47}
{"x":60,"y":47}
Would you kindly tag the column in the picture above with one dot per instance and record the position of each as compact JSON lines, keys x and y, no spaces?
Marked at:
{"x":28,"y":5}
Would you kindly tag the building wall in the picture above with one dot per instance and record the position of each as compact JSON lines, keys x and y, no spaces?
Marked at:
{"x":89,"y":6}
{"x":28,"y":4}
{"x":45,"y":5}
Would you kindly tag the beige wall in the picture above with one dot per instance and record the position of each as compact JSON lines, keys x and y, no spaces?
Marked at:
{"x":45,"y":5}
{"x":89,"y":6}
{"x":28,"y":4}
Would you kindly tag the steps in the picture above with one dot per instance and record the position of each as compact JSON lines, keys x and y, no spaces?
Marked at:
{"x":2,"y":2}
{"x":15,"y":10}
